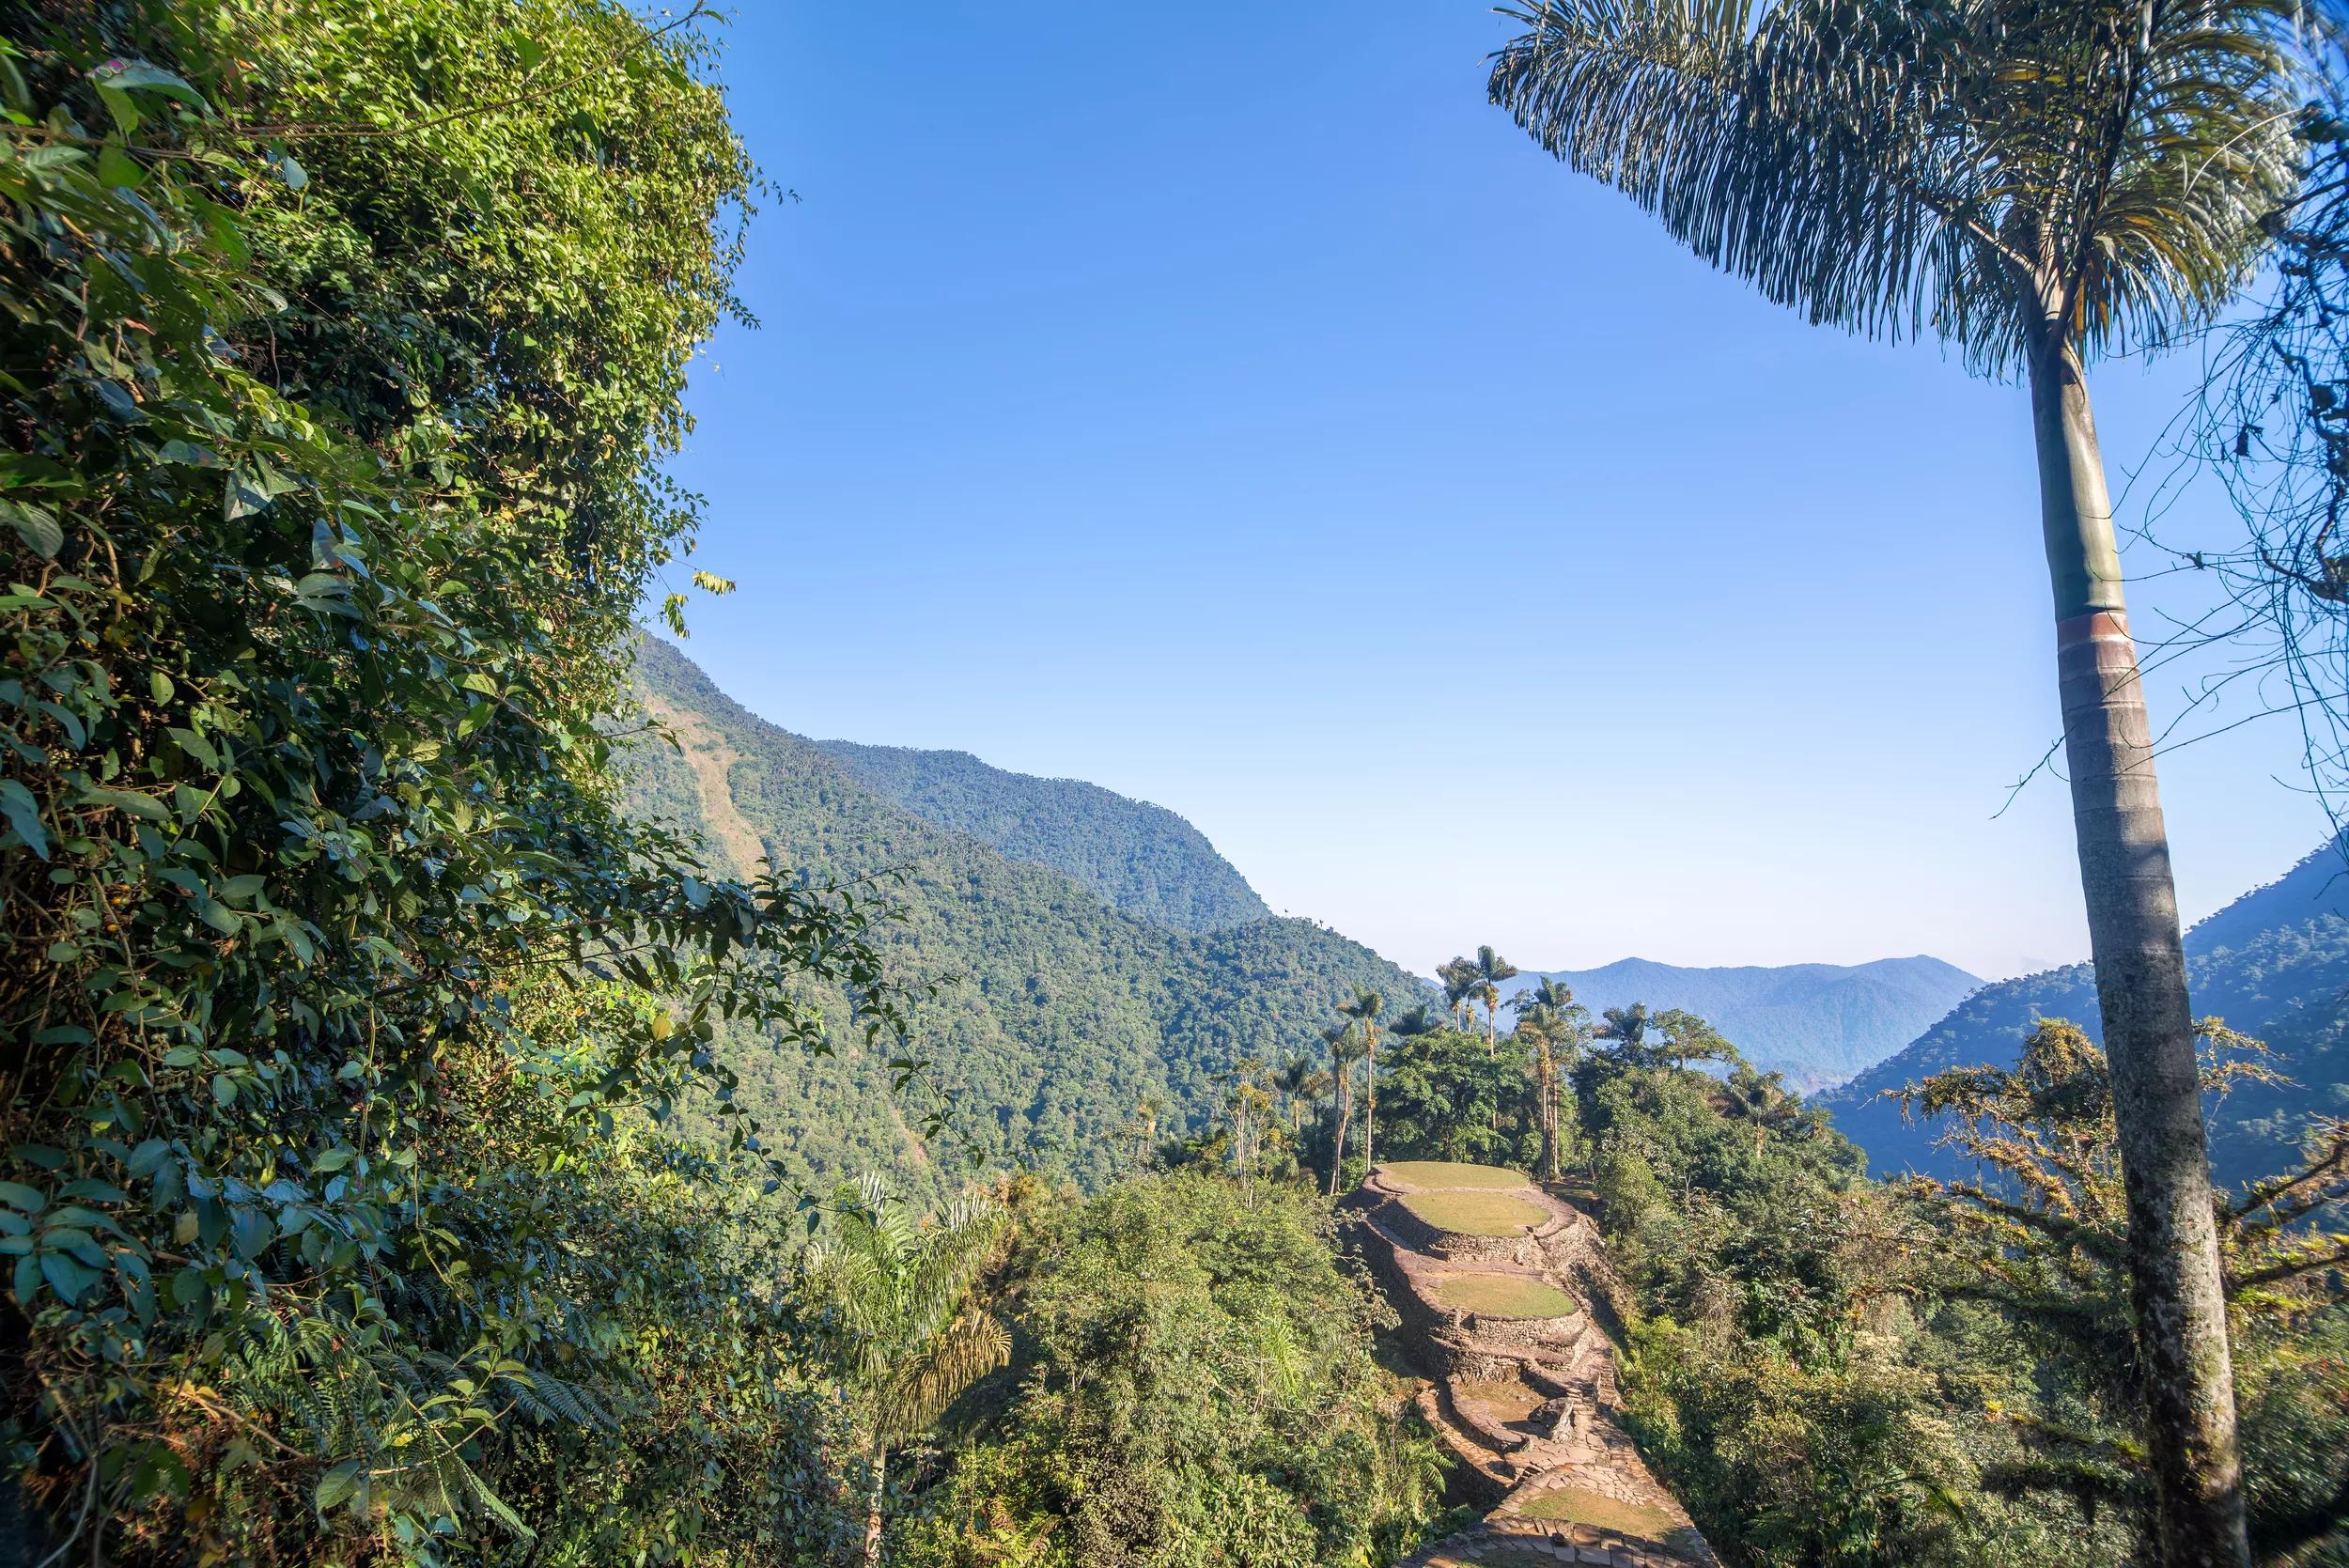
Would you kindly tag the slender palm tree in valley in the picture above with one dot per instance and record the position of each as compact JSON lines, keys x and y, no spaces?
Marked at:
{"x":1627,"y":1026}
{"x":1294,"y":1081}
{"x":1556,"y":1025}
{"x":2036,"y":182}
{"x":1490,"y":969}
{"x":1345,"y":1048}
{"x":1458,"y":976}
{"x":1364,"y":1010}
{"x":892,"y":1298}
{"x":1146,"y":1112}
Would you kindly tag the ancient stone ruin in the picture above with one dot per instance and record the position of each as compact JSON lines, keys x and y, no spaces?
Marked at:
{"x":1493,"y":1277}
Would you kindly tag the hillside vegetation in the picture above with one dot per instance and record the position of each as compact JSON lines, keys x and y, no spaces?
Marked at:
{"x":2274,"y":964}
{"x":1140,"y":859}
{"x":1069,"y":1034}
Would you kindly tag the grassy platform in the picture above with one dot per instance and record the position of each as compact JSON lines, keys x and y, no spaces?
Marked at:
{"x":1504,"y":1295}
{"x":1504,"y":1399}
{"x":1582,"y":1506}
{"x":1476,"y":1213}
{"x":1424,"y":1174}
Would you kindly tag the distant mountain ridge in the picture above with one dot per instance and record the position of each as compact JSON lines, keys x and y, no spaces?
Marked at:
{"x":1055,"y":1017}
{"x":1142,"y":859}
{"x":1818,"y":1023}
{"x":2273,"y":964}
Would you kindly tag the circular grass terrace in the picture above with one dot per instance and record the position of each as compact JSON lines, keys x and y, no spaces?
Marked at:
{"x":1475,"y":1213}
{"x":1583,"y":1505}
{"x":1424,"y":1176}
{"x":1505,"y":1295}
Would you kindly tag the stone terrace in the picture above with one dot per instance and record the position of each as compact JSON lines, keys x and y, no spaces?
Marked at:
{"x":1522,"y":1383}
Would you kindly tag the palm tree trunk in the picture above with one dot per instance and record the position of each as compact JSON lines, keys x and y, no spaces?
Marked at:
{"x":873,"y":1508}
{"x":1370,"y":1096}
{"x":1548,"y":1117}
{"x":2140,"y":990}
{"x":1346,"y":1116}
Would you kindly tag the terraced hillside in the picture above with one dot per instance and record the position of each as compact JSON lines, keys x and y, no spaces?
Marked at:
{"x":1490,"y":1275}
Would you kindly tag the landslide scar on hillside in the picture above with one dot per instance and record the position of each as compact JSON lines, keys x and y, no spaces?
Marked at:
{"x":712,"y":762}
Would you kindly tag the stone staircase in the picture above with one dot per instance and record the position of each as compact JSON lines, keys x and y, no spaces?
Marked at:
{"x":1491,"y":1275}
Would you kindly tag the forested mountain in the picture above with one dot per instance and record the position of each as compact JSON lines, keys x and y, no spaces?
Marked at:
{"x":1818,"y":1023}
{"x":1055,"y":1017}
{"x":2273,"y":964}
{"x":1139,"y":858}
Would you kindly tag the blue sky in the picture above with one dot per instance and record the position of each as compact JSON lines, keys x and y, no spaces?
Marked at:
{"x":1220,"y":403}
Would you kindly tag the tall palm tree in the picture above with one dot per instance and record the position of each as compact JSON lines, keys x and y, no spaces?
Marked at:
{"x":1146,"y":1112}
{"x":1491,"y":969}
{"x":1364,"y":1010}
{"x":1345,"y":1048}
{"x":892,"y":1299}
{"x":1627,"y":1026}
{"x":1556,"y":1026}
{"x":1294,"y":1081}
{"x":2036,"y":182}
{"x":1761,"y":1100}
{"x":1250,"y":1104}
{"x":1414,"y":1024}
{"x":1458,"y":976}
{"x":1320,"y":1085}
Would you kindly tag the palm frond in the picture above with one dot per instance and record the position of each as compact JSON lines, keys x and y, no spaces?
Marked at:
{"x":1988,"y":171}
{"x":958,"y":1355}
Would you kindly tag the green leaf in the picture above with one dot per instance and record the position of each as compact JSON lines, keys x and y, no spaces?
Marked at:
{"x":24,"y":814}
{"x":126,"y":801}
{"x":188,"y":1287}
{"x":336,"y":1485}
{"x":68,"y":1275}
{"x":39,"y":530}
{"x":139,"y":76}
{"x":118,"y":106}
{"x":17,"y":1196}
{"x":188,"y":453}
{"x":116,"y":167}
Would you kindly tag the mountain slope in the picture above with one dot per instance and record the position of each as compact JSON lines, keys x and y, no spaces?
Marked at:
{"x":2274,"y":964}
{"x":1054,"y":1014}
{"x":1816,"y":1023}
{"x":1139,"y":858}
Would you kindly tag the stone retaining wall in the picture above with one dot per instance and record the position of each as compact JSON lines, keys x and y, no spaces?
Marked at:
{"x":1570,"y":1446}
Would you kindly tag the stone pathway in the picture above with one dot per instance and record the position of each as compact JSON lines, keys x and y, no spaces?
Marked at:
{"x":1527,"y":1404}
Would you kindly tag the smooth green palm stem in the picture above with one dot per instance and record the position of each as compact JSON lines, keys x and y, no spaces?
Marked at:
{"x":2175,"y":1286}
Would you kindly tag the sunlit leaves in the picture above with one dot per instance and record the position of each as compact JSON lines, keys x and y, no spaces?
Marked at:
{"x":320,"y":576}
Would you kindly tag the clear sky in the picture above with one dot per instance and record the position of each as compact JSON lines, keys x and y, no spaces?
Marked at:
{"x":1222,"y":403}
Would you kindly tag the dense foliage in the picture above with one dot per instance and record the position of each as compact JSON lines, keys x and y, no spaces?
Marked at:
{"x":1136,"y":857}
{"x":1048,"y":1017}
{"x":1831,"y":1370}
{"x":332,"y":980}
{"x":1195,"y":1385}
